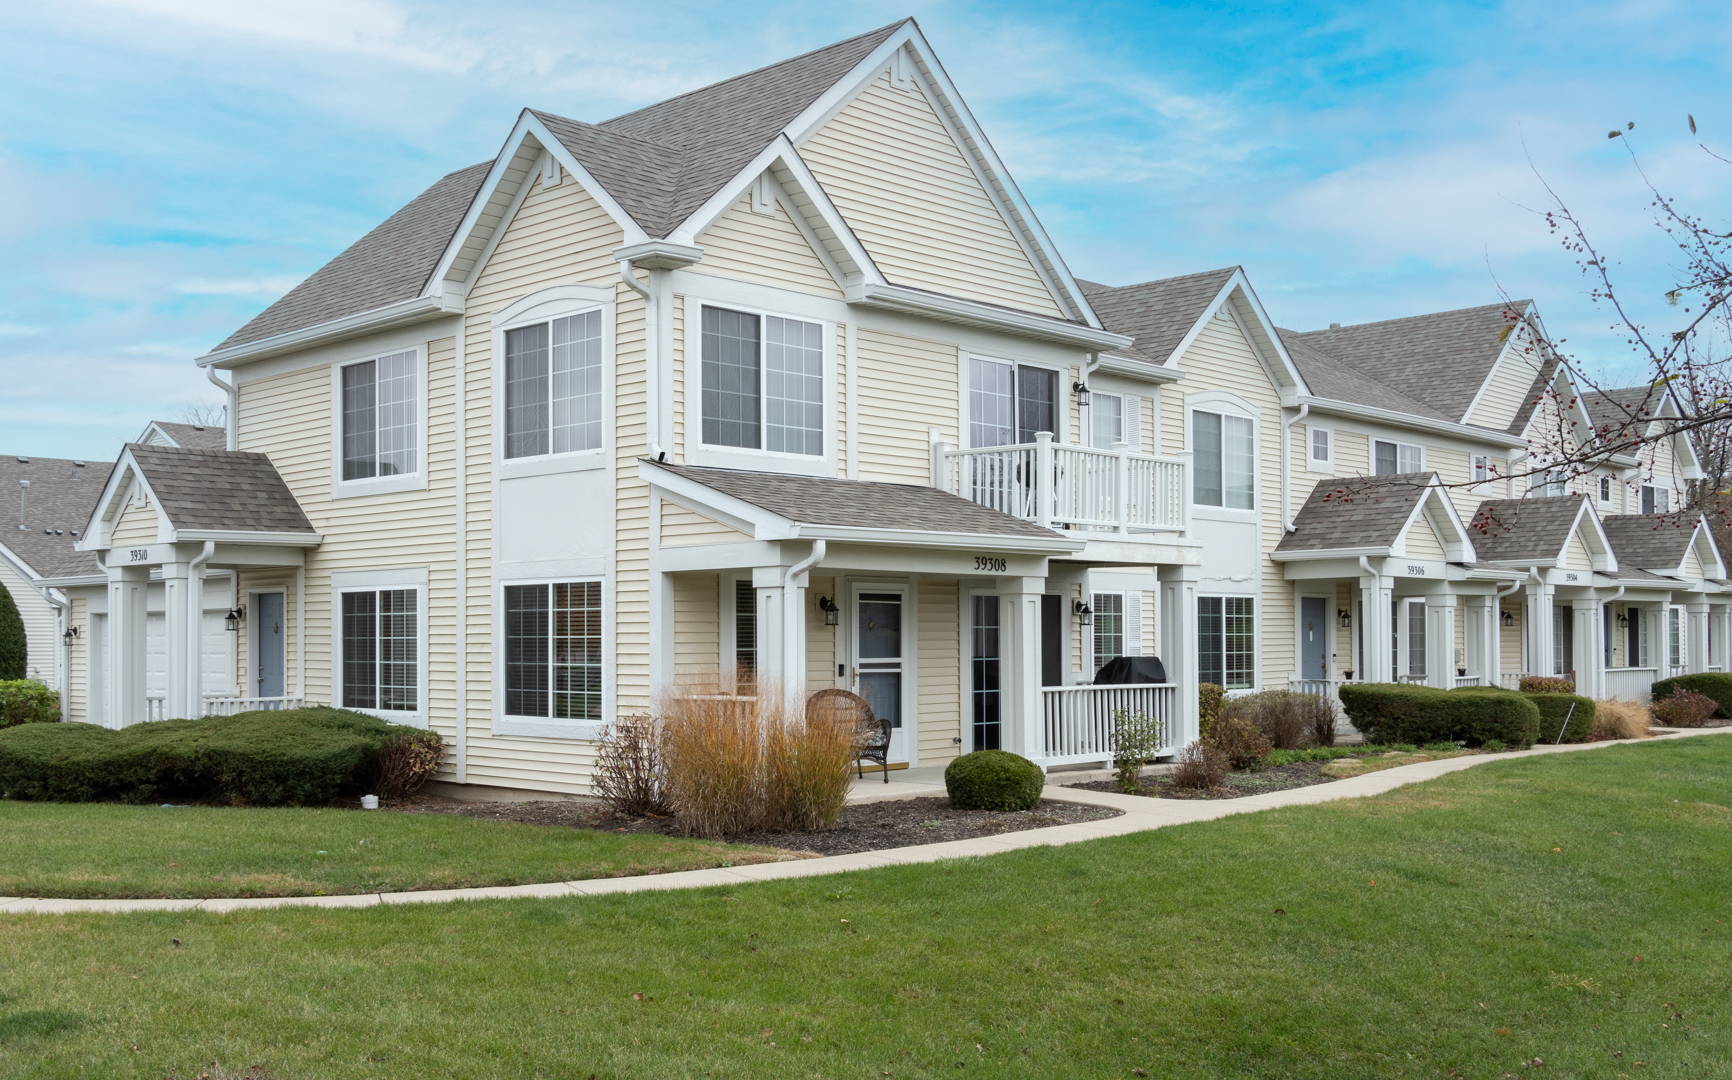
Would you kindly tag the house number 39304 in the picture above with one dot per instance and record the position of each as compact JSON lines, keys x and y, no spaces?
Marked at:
{"x":987,"y":562}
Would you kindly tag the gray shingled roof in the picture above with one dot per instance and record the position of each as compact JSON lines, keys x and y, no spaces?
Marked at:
{"x":1441,"y":359}
{"x":1513,"y":530}
{"x":190,"y":435}
{"x":1647,"y":541}
{"x":1355,"y":512}
{"x":1157,"y":313}
{"x":861,"y":504}
{"x":389,"y":264}
{"x":57,"y":507}
{"x":1327,"y":377}
{"x":231,"y":490}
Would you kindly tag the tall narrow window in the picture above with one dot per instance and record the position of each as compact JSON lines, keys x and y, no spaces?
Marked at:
{"x":1106,"y":420}
{"x":745,"y":635}
{"x":1606,"y":489}
{"x":984,"y":661}
{"x":1008,"y":404}
{"x":553,"y":650}
{"x":1674,"y":637}
{"x":1481,"y":468}
{"x":380,"y":416}
{"x":1563,"y":639}
{"x":1227,"y":641}
{"x":1416,"y":640}
{"x":381,"y":647}
{"x":553,"y":386}
{"x":1224,"y":460}
{"x":1109,"y":627}
{"x":1389,"y":457}
{"x":763,"y":382}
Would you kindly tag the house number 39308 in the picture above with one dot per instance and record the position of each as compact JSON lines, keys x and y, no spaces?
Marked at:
{"x":987,"y":562}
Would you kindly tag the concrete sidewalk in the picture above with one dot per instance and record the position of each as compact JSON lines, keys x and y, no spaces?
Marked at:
{"x":1140,"y":815}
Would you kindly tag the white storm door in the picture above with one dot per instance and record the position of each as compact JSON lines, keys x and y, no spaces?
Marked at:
{"x":883,"y":673}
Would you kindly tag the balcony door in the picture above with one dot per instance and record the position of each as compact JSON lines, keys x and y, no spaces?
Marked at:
{"x":1009,"y":403}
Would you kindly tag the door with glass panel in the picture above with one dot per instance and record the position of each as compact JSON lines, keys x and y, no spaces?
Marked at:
{"x":1007,"y":406}
{"x":882,"y":670}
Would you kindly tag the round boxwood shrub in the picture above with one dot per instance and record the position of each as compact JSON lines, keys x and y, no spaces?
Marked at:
{"x":1716,"y":684}
{"x":1555,"y":709}
{"x":993,"y":780}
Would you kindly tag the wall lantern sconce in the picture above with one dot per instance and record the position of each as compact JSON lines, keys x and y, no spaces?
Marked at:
{"x":1084,"y":613}
{"x":234,"y":617}
{"x":1624,"y":621}
{"x":1345,"y":618}
{"x":70,"y":636}
{"x":829,"y":608}
{"x":1081,"y":390}
{"x":1508,"y":619}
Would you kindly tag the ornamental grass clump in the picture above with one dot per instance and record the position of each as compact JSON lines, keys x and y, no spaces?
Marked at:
{"x":1618,"y":719}
{"x":1684,"y":708}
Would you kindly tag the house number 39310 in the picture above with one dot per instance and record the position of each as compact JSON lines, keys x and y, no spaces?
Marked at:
{"x":987,"y":562}
{"x":138,"y":554}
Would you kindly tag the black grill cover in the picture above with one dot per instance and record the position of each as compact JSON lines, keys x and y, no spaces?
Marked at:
{"x":1131,"y":669}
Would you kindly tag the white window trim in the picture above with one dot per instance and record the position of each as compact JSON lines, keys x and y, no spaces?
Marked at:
{"x":1473,"y":468}
{"x":743,"y":457}
{"x":1256,"y":638}
{"x":1061,"y":406}
{"x":345,"y":581}
{"x":551,"y":728}
{"x":542,"y":306}
{"x":1124,"y":623}
{"x":1120,"y":398}
{"x":379,"y":485}
{"x":1326,"y":466}
{"x":1398,"y":447}
{"x":1219,"y":401}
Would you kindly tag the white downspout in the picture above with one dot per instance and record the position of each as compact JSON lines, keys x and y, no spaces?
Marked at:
{"x":195,"y":628}
{"x":793,"y":607}
{"x":460,"y":744}
{"x":230,"y":420}
{"x":1287,"y":464}
{"x":652,"y":359}
{"x":1370,"y":606}
{"x":62,"y":662}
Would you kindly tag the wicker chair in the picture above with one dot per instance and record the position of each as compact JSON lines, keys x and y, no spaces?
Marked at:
{"x":871,"y":735}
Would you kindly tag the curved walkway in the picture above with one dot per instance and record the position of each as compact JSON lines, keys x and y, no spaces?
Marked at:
{"x":1140,"y":815}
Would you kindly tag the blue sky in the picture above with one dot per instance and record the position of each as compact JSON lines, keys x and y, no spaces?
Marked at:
{"x":168,"y":167}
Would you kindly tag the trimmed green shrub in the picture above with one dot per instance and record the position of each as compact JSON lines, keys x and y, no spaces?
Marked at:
{"x":1211,"y":699}
{"x":269,"y":758}
{"x":993,"y":780}
{"x":14,"y":647}
{"x":1717,"y":685}
{"x":26,"y":701}
{"x":1554,"y":708}
{"x":1546,"y":684}
{"x":1402,"y":713}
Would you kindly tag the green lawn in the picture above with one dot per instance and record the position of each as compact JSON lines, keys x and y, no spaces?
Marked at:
{"x":104,"y":850}
{"x":1430,"y":932}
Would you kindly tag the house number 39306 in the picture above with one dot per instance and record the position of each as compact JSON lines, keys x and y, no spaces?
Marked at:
{"x":987,"y":562}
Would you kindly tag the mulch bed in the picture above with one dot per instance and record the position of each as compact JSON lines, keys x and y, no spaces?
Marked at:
{"x":1239,"y":784}
{"x":871,"y":826}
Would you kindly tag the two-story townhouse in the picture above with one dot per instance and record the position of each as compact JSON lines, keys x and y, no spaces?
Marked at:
{"x":37,"y":546}
{"x":778,"y":382}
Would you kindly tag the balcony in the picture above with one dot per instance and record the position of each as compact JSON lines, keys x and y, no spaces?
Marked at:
{"x":1071,"y":487}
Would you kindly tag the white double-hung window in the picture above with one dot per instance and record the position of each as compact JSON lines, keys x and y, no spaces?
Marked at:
{"x":1106,"y":420}
{"x":1393,"y":457}
{"x":1322,"y":456}
{"x":380,"y":412}
{"x":1224,"y":460}
{"x":763,"y":382}
{"x":553,"y":656}
{"x":553,"y":386}
{"x":381,"y":631}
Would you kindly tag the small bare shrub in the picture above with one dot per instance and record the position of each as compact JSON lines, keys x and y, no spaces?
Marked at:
{"x":1291,"y":721}
{"x":406,"y":762}
{"x":1685,"y":708}
{"x":1244,"y":745}
{"x":1620,"y":720}
{"x":1546,"y":684}
{"x":631,"y":769}
{"x":1202,"y":766}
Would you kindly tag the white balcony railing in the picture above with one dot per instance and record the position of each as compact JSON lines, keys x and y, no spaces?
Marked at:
{"x":1075,"y":487}
{"x":1630,"y":683}
{"x":1077,"y":721}
{"x":228,"y":705}
{"x":155,"y":707}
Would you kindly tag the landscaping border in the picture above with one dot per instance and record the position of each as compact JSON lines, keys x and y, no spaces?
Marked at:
{"x":1141,"y":814}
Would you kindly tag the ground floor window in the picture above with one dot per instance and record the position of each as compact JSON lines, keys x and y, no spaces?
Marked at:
{"x":553,"y":650}
{"x":381,"y":635}
{"x":1674,"y":637}
{"x":745,"y":635}
{"x":1109,"y":627}
{"x":1563,"y":639}
{"x":984,"y":665}
{"x":1227,"y":641}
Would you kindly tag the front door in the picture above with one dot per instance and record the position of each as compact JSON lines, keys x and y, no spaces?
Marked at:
{"x":880,"y":670}
{"x":1313,"y":637}
{"x":268,"y":630}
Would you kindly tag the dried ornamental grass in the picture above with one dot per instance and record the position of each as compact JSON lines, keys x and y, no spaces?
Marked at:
{"x":1617,"y":719}
{"x":808,"y":767}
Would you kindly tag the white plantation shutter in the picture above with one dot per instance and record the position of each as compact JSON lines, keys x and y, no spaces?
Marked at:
{"x":1134,"y":621}
{"x":1134,"y":426}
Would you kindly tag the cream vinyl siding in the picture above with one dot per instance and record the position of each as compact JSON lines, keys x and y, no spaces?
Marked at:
{"x":906,"y":385}
{"x":1456,"y":467}
{"x":1220,"y":358}
{"x":41,"y":628}
{"x":1352,"y":450}
{"x":1346,"y":640}
{"x":697,"y":626}
{"x":842,"y":362}
{"x":768,"y":250}
{"x":1693,"y":565}
{"x":1576,"y":555}
{"x":136,"y":525}
{"x":890,"y":166}
{"x":78,"y":662}
{"x":820,"y":639}
{"x":1510,"y":639}
{"x":940,"y":672}
{"x":681,"y":528}
{"x":631,"y":523}
{"x":677,"y":440}
{"x":1505,"y":392}
{"x":559,"y":236}
{"x":1422,"y":541}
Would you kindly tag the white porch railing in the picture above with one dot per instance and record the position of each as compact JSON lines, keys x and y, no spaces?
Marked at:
{"x":1071,"y":486}
{"x":1630,"y":683}
{"x":1468,"y":680}
{"x":156,"y":707}
{"x":226,"y":705}
{"x":1511,"y":680}
{"x":1077,"y":721}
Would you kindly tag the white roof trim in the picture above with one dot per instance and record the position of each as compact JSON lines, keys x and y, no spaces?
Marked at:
{"x":973,"y":313}
{"x":402,"y":313}
{"x":1334,"y":407}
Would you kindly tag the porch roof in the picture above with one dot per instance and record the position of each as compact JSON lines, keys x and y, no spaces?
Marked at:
{"x":1511,"y":530}
{"x":219,"y":490}
{"x":1651,"y":540}
{"x":860,"y":504}
{"x":1356,"y":513}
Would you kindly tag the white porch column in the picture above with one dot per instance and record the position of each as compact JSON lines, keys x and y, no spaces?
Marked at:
{"x":1590,"y":653}
{"x":1718,"y":625}
{"x":126,"y":629}
{"x":794,"y":639}
{"x":176,"y":580}
{"x":1479,"y":639}
{"x":1440,"y":642}
{"x":767,"y":584}
{"x":1537,"y":619}
{"x":1178,"y":586}
{"x":1020,"y":707}
{"x":661,"y":632}
{"x":1376,"y":594}
{"x":1696,"y":636}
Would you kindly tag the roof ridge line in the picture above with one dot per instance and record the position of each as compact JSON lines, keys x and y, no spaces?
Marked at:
{"x":544,"y":116}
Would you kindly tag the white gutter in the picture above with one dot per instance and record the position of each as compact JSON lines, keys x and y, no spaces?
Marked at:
{"x":231,"y":421}
{"x":195,"y":625}
{"x":403,"y":313}
{"x":1409,"y":420}
{"x":903,"y":299}
{"x":1287,"y":463}
{"x":652,"y":358}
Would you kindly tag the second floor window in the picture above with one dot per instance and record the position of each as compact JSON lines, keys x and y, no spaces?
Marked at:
{"x":1606,"y":489}
{"x":1481,"y":468}
{"x":1389,"y":457}
{"x":1320,"y":450}
{"x":1106,"y":420}
{"x":1008,"y":404}
{"x":1224,"y":460}
{"x":380,"y":416}
{"x":553,"y":386}
{"x":763,"y":382}
{"x":1656,"y":500}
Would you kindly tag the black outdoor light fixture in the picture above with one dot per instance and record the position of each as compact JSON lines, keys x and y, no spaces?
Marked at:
{"x":829,"y":608}
{"x":1084,"y":613}
{"x":70,"y":636}
{"x":1624,"y":621}
{"x":1345,"y":617}
{"x":234,"y":617}
{"x":1508,"y":619}
{"x":1082,"y":393}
